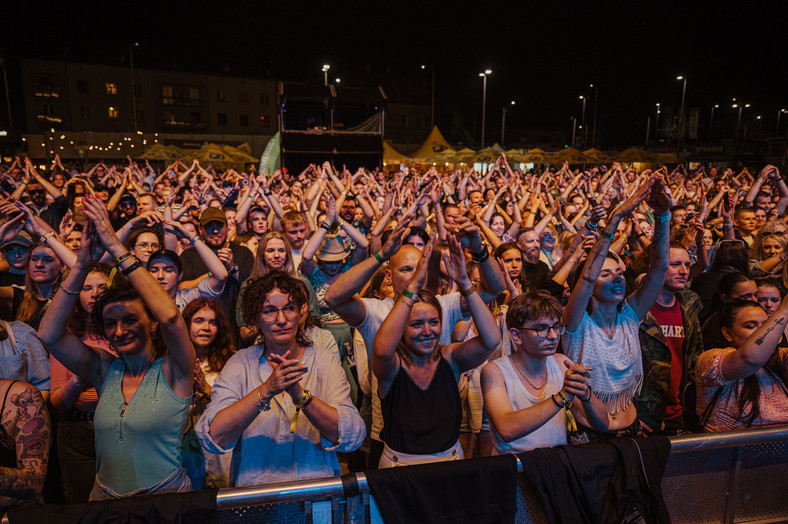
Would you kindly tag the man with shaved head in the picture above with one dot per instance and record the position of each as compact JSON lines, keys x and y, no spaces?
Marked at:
{"x":367,"y":314}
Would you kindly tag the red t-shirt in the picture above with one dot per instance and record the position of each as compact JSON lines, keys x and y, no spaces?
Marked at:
{"x":670,"y":320}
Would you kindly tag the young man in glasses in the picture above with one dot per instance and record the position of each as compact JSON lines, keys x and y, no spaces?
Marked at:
{"x":529,"y":393}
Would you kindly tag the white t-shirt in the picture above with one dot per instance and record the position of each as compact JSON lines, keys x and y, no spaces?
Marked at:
{"x":377,"y":311}
{"x":552,"y":432}
{"x":201,"y":290}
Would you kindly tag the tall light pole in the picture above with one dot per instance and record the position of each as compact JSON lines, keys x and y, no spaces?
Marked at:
{"x":432,"y":97}
{"x":740,"y":107}
{"x":133,"y":90}
{"x":503,"y":123}
{"x":681,"y":111}
{"x":656,"y":124}
{"x":711,"y":120}
{"x":326,"y":67}
{"x":8,"y":95}
{"x":583,"y":121}
{"x":487,"y":72}
{"x":596,"y":98}
{"x":776,"y":129}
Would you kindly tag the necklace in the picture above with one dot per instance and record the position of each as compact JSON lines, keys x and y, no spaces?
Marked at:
{"x":610,"y":333}
{"x":529,"y":382}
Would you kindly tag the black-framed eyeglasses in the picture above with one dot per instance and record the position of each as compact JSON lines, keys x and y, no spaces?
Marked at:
{"x":544,"y":331}
{"x":270,"y":313}
{"x":35,"y":192}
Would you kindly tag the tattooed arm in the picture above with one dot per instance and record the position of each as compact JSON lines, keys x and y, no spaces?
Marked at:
{"x":26,"y":420}
{"x":758,"y":348}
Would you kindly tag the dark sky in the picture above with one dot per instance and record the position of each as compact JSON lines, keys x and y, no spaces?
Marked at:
{"x":543,"y":54}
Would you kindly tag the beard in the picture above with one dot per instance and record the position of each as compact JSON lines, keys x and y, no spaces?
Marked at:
{"x":531,"y":257}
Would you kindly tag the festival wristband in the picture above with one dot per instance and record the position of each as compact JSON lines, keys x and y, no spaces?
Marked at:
{"x":409,"y":294}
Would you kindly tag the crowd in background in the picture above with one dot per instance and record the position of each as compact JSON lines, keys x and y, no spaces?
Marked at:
{"x":194,"y":327}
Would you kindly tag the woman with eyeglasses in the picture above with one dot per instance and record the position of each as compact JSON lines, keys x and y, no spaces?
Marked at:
{"x":282,"y":407}
{"x":417,"y":376}
{"x":526,"y":393}
{"x":142,"y":243}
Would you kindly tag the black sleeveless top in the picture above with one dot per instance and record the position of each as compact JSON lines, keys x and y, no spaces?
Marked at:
{"x":7,"y":444}
{"x":419,"y":421}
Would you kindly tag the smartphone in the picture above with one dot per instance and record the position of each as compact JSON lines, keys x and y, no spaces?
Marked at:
{"x":592,"y":201}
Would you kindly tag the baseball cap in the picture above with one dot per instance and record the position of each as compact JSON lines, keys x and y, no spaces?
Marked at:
{"x":22,"y":239}
{"x":212,"y":214}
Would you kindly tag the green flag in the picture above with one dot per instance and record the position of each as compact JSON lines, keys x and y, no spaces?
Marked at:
{"x":270,"y":157}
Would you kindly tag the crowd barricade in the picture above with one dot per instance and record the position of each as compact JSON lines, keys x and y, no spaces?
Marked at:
{"x":735,"y":476}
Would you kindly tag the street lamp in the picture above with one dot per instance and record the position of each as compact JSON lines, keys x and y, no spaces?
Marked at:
{"x":337,"y":80}
{"x":583,"y":121}
{"x":432,"y":96}
{"x":711,"y":120}
{"x":681,"y":111}
{"x":738,"y":119}
{"x":487,"y":72}
{"x":777,"y":129}
{"x":326,"y":67}
{"x":596,"y":97}
{"x":503,"y":123}
{"x":133,"y":90}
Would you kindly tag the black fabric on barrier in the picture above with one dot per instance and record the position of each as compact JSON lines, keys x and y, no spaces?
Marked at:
{"x":601,"y":482}
{"x":349,"y":485}
{"x":195,"y":507}
{"x":474,"y":491}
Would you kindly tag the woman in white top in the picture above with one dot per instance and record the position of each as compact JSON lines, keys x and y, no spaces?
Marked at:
{"x":602,"y":322}
{"x":526,"y":393}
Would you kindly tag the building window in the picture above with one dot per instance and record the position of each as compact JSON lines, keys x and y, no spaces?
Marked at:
{"x":49,"y":109}
{"x":264,"y":121}
{"x":220,"y":95}
{"x":83,"y":86}
{"x":403,"y":119}
{"x":111,"y":87}
{"x":84,"y":111}
{"x":138,"y":89}
{"x":264,"y":99}
{"x":112,"y":112}
{"x":166,"y":90}
{"x":139,"y":115}
{"x":244,"y":120}
{"x":243,"y":97}
{"x":221,"y":119}
{"x":194,"y":93}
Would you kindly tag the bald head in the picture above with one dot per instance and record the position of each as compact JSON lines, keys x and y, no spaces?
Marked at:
{"x":402,"y":266}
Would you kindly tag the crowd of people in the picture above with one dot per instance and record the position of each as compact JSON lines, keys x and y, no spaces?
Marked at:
{"x":193,"y":327}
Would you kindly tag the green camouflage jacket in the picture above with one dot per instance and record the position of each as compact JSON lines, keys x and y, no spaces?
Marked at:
{"x":652,"y":399}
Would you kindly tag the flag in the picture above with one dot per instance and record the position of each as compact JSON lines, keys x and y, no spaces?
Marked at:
{"x":270,"y":157}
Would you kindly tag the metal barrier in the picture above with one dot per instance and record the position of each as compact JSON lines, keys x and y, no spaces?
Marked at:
{"x":736,"y":476}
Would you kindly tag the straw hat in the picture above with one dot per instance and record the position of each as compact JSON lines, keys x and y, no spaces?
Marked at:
{"x":332,"y":250}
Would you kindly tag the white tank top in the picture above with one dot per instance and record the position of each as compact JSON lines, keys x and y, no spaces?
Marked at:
{"x":552,"y":432}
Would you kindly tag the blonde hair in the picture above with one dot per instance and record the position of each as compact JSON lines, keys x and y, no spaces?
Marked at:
{"x":259,"y":269}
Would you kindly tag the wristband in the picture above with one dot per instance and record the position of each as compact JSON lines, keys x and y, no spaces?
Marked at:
{"x":262,"y":406}
{"x":325,"y":225}
{"x":590,"y":394}
{"x":121,"y":258}
{"x":641,"y":234}
{"x":305,"y":400}
{"x":469,"y":290}
{"x":378,"y":257}
{"x":605,"y":234}
{"x":194,"y":239}
{"x":69,"y":292}
{"x":663,"y":217}
{"x":556,"y":402}
{"x":591,"y":226}
{"x":47,"y":237}
{"x":129,"y":270}
{"x":409,"y":294}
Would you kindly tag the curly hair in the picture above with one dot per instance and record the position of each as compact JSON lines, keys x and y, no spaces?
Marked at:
{"x":223,"y":346}
{"x":122,"y":291}
{"x":257,"y":291}
{"x":532,"y":305}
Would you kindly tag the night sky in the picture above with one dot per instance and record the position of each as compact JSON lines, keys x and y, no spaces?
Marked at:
{"x":543,"y":54}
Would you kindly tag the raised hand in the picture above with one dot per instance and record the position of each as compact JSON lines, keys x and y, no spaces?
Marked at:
{"x":454,"y":261}
{"x":394,"y":241}
{"x":420,"y":275}
{"x":90,"y":249}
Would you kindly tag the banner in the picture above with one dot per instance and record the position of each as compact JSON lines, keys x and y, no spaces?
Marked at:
{"x":270,"y":157}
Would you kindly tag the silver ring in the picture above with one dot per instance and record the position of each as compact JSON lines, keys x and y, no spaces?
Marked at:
{"x":101,"y":220}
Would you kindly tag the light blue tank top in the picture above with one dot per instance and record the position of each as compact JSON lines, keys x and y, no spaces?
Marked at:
{"x":138,"y":445}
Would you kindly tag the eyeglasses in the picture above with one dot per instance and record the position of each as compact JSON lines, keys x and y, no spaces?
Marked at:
{"x":147,"y":245}
{"x":269,"y":313}
{"x":544,"y":331}
{"x":35,"y":192}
